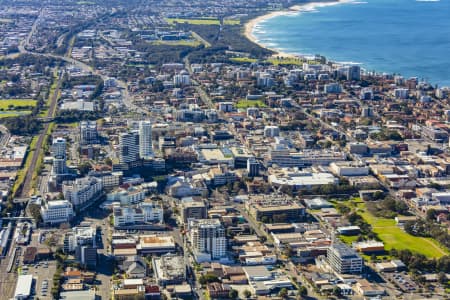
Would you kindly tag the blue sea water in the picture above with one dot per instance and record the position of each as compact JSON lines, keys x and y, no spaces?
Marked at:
{"x":407,"y":37}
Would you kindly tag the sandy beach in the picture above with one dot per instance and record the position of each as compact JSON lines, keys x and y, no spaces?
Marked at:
{"x":249,"y":26}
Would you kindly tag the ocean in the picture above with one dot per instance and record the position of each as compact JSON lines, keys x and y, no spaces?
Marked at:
{"x":407,"y":37}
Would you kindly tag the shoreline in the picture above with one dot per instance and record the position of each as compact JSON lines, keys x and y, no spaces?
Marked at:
{"x":309,"y":6}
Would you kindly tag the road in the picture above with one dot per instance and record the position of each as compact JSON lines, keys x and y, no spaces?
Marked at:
{"x":123,"y":85}
{"x":328,"y":126}
{"x":200,"y":91}
{"x":254,"y":224}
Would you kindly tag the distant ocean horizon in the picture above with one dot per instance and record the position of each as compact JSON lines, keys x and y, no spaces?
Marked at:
{"x":406,"y":37}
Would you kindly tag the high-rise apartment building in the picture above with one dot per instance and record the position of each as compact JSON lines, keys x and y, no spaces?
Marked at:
{"x":145,"y":139}
{"x":129,"y":147}
{"x":88,"y":133}
{"x":207,"y":237}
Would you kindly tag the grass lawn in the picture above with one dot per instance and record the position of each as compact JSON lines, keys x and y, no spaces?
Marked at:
{"x":194,"y":21}
{"x":9,"y":114}
{"x":243,"y":59}
{"x":348,"y":239}
{"x":394,"y":237}
{"x":286,"y":61}
{"x":231,"y":22}
{"x":189,"y":43}
{"x":243,"y":104}
{"x":6,"y":104}
{"x":21,"y":173}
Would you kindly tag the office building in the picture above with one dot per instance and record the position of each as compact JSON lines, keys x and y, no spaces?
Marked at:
{"x":145,"y":139}
{"x":343,"y":259}
{"x":129,"y":147}
{"x":193,"y":210}
{"x":208,"y":241}
{"x":274,"y":208}
{"x":56,"y":211}
{"x":149,"y":244}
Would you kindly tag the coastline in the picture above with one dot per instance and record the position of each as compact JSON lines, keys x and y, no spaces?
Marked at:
{"x":308,"y":6}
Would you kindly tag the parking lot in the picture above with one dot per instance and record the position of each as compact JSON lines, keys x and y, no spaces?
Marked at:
{"x":403,"y":281}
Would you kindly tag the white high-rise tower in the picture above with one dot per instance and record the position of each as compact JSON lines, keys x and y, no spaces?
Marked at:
{"x":145,"y":139}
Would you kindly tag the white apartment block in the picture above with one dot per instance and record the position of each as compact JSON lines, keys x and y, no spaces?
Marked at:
{"x":129,"y":147}
{"x":145,"y":139}
{"x":132,"y":195}
{"x":208,"y":241}
{"x":82,"y":190}
{"x":146,"y":212}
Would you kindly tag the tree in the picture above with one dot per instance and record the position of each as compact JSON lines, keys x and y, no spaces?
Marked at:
{"x":84,"y":168}
{"x":283,"y":293}
{"x":302,"y":291}
{"x":337,"y":291}
{"x":442,"y":278}
{"x":208,"y":278}
{"x":247,"y":294}
{"x":431,"y":214}
{"x":108,"y":161}
{"x":233,"y":294}
{"x":35,"y":212}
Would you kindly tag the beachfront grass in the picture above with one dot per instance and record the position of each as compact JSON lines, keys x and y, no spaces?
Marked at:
{"x":199,"y":21}
{"x":276,"y":61}
{"x":243,"y":60}
{"x":286,"y":61}
{"x":244,"y":104}
{"x":12,"y":104}
{"x":231,"y":22}
{"x":394,"y":237}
